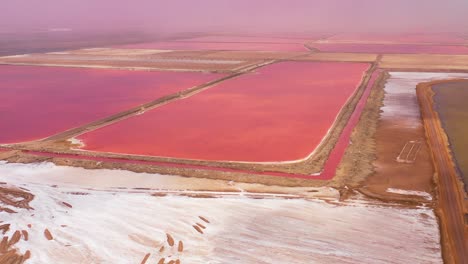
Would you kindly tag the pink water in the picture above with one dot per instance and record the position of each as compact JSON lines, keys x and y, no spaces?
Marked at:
{"x":38,"y":102}
{"x":327,"y":173}
{"x":281,"y":112}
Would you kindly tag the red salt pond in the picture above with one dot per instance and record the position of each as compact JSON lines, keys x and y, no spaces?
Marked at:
{"x":181,"y":45}
{"x":327,"y":173}
{"x":279,"y":113}
{"x":41,"y":101}
{"x":391,"y":48}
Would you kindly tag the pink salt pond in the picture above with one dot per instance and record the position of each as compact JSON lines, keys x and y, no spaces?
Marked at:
{"x":280,"y":112}
{"x":38,"y":102}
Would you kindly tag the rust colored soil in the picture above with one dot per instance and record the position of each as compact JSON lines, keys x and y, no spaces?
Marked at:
{"x":390,"y":140}
{"x":8,"y":254}
{"x":393,"y":132}
{"x":199,"y":230}
{"x":180,"y":247}
{"x":15,"y":238}
{"x":15,"y":197}
{"x":25,"y":235}
{"x":145,"y":258}
{"x":170,"y":240}
{"x":204,"y":219}
{"x":4,"y":228}
{"x":48,"y":235}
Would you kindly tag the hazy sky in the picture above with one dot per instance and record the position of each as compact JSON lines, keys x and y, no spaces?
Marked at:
{"x":237,"y":15}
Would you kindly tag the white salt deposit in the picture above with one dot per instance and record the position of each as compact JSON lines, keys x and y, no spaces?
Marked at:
{"x":400,"y":95}
{"x":118,"y":226}
{"x":425,"y":195}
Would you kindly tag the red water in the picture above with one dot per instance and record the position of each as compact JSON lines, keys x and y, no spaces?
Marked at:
{"x":327,"y":173}
{"x":400,"y":38}
{"x":392,"y":48}
{"x":337,"y":153}
{"x":41,"y":101}
{"x":278,"y":113}
{"x":181,"y":45}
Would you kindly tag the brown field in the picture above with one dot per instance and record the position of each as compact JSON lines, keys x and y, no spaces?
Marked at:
{"x":137,"y":61}
{"x":424,"y":62}
{"x":393,"y":132}
{"x":345,"y":57}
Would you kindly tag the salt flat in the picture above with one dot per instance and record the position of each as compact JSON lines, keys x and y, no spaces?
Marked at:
{"x":106,"y":225}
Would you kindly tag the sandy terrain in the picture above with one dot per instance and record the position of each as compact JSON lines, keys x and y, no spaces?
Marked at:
{"x":71,"y":224}
{"x":247,"y":55}
{"x":345,"y":57}
{"x":129,"y":61}
{"x":415,"y":62}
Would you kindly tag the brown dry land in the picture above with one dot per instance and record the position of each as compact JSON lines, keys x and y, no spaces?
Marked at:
{"x":424,"y":62}
{"x":344,"y":57}
{"x":392,"y":137}
{"x":452,"y":204}
{"x":153,"y":61}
